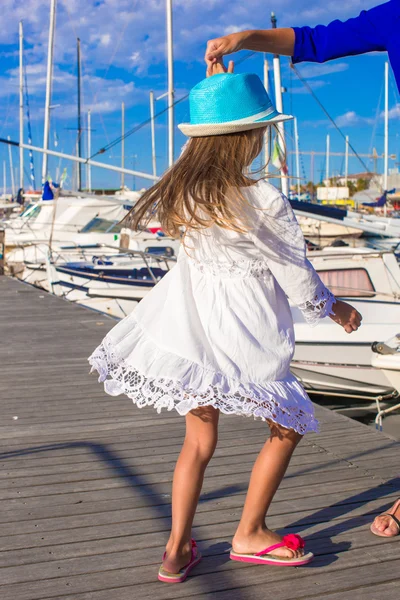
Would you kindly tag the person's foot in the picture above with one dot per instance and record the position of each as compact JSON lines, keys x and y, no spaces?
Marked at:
{"x":175,"y":560}
{"x":260,"y":540}
{"x":385,"y":524}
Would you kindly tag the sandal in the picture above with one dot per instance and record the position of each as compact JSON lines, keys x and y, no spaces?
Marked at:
{"x":180,"y":577}
{"x":396,"y":520}
{"x":291,"y":541}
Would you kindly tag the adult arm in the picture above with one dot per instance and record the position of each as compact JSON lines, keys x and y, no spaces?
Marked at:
{"x":370,"y":31}
{"x":276,"y":41}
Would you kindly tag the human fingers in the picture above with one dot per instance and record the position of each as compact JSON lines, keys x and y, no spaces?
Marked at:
{"x":218,"y":67}
{"x":212,"y":69}
{"x":231,"y":66}
{"x":355,"y":319}
{"x":214,"y":50}
{"x":218,"y":47}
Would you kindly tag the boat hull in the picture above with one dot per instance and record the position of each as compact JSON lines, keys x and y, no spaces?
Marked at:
{"x":327,"y":359}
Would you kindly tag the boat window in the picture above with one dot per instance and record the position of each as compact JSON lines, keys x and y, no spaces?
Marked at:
{"x":31,"y":211}
{"x":116,"y":228}
{"x":98,"y":225}
{"x":354,"y":283}
{"x":163,"y":250}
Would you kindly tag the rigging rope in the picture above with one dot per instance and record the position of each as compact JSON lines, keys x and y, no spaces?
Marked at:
{"x":147,"y":121}
{"x":308,"y":87}
{"x":104,"y":76}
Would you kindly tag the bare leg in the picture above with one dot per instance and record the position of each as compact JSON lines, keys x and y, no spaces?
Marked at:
{"x":198,"y":448}
{"x":252,"y":534}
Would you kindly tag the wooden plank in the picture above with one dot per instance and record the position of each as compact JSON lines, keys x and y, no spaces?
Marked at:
{"x":86,"y":481}
{"x":116,"y":560}
{"x":220,"y":579}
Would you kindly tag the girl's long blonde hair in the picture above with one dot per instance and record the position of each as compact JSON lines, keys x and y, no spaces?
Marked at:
{"x":193,"y":193}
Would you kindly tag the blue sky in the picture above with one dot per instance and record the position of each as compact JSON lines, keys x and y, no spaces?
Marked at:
{"x":123,"y":50}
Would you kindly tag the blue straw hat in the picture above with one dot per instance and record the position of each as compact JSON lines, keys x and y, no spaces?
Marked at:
{"x":227,"y":103}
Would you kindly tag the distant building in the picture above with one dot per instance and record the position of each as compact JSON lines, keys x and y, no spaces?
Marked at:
{"x":352,"y":178}
{"x":393,"y":180}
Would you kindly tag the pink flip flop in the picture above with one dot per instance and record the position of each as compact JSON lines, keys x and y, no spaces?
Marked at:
{"x":291,"y":541}
{"x":180,"y":577}
{"x":376,"y":531}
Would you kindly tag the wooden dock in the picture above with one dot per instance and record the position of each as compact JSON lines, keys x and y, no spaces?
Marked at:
{"x":85,"y":483}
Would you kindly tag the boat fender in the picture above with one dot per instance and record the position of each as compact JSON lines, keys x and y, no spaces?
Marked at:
{"x":381,"y":348}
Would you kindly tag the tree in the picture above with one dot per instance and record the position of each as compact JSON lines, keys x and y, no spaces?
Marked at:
{"x":362,"y":184}
{"x":310,"y":187}
{"x":352,"y":188}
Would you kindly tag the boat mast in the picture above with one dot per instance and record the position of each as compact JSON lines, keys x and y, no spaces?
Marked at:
{"x":4,"y":179}
{"x":21,"y":105}
{"x":89,"y":148}
{"x":123,"y":144}
{"x":346,"y":162}
{"x":328,"y":149}
{"x":48,"y":87}
{"x":296,"y":141}
{"x":386,"y":152}
{"x":386,"y":165}
{"x":279,"y":107}
{"x":267,"y":134}
{"x":170,"y":85}
{"x":153,"y":134}
{"x":11,"y":169}
{"x":79,"y":145}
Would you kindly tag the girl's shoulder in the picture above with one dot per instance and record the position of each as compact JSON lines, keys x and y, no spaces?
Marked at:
{"x":264,"y":195}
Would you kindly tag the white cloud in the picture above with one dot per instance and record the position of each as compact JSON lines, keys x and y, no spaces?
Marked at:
{"x":104,"y":39}
{"x":352,"y":119}
{"x":394,"y":113}
{"x":318,"y":70}
{"x":315,"y":85}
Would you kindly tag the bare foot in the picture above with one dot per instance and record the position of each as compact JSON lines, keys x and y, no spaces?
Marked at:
{"x":174,"y":561}
{"x":258,"y":541}
{"x":386,"y":524}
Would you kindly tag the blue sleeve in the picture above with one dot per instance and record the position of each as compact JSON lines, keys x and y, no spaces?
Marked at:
{"x":368,"y":32}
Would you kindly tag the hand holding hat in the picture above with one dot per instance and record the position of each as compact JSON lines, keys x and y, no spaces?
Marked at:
{"x":218,"y":67}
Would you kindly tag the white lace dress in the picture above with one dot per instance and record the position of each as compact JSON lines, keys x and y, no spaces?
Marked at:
{"x":217,"y":330}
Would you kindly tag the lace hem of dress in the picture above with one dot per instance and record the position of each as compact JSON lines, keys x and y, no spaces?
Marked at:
{"x":277,"y":401}
{"x":236,"y":268}
{"x":319,"y":307}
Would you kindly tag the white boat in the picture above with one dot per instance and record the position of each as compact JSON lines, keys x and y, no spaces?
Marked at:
{"x":60,"y":219}
{"x":327,"y":359}
{"x":79,"y":221}
{"x":101,"y":279}
{"x":386,"y":356}
{"x":313,"y":228}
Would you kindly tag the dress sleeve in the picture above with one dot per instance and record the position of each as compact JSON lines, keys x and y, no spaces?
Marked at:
{"x":368,"y":32}
{"x":279,"y":238}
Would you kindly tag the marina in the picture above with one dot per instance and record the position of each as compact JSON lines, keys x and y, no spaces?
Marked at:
{"x":90,"y":123}
{"x":85,"y":486}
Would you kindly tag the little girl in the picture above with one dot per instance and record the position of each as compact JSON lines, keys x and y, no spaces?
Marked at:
{"x":216,"y":333}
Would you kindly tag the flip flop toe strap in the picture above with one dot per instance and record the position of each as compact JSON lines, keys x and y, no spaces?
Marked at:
{"x":395,"y":519}
{"x":291,"y":541}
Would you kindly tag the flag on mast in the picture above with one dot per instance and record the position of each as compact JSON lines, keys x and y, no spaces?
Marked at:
{"x":31,"y":164}
{"x":278,"y":158}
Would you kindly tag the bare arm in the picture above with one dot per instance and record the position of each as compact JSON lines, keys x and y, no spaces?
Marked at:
{"x":275,"y":41}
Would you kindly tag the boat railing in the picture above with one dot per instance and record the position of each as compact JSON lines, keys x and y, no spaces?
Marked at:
{"x":41,"y":254}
